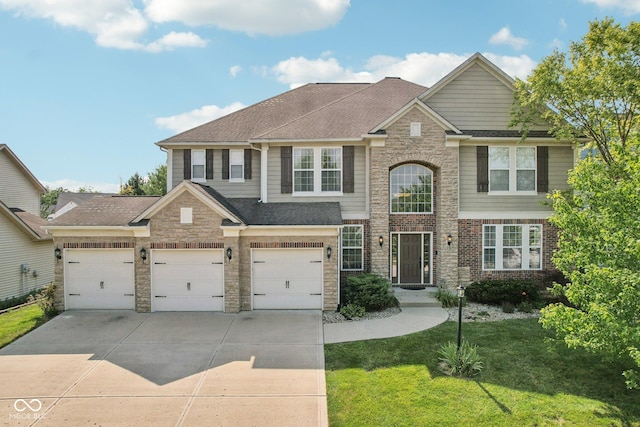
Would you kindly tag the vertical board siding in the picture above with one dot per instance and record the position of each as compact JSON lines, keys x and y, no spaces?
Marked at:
{"x":560,"y":161}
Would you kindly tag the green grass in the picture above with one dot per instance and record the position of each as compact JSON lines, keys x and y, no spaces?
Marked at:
{"x":16,"y":323}
{"x":528,"y":380}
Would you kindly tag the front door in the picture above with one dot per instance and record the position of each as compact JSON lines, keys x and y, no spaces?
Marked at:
{"x":411,"y":258}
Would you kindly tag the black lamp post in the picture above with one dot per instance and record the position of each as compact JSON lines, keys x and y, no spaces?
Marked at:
{"x":460,"y":297}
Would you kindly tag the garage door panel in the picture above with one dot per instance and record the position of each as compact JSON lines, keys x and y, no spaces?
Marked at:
{"x":99,"y":279}
{"x":287,"y":278}
{"x":188,"y":280}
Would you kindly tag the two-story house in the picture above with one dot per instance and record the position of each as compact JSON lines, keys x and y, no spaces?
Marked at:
{"x":26,"y":257}
{"x":274,"y":205}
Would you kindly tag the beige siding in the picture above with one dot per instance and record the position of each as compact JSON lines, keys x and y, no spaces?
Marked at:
{"x":560,"y":161}
{"x":475,"y":100}
{"x":16,"y":190}
{"x":17,"y":248}
{"x":249,"y":188}
{"x":350,"y":203}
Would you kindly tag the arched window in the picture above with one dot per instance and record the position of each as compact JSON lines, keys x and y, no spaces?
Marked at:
{"x":411,"y":189}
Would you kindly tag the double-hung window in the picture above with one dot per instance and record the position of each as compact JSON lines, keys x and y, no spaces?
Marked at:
{"x":198,"y":165}
{"x":236,"y":165}
{"x":317,"y":170}
{"x":512,"y":247}
{"x":351,"y":244}
{"x":512,"y":169}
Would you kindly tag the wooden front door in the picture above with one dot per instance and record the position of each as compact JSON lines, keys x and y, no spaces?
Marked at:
{"x":410,"y":258}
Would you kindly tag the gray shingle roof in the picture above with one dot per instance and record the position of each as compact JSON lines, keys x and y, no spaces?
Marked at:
{"x":66,"y":197}
{"x":504,"y":133}
{"x":291,"y":213}
{"x":106,"y":211}
{"x":316,"y":110}
{"x":34,"y":222}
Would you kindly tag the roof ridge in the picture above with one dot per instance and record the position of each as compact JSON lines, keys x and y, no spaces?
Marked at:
{"x":368,"y":86}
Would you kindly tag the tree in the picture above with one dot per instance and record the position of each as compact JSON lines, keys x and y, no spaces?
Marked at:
{"x":599,"y":251}
{"x":593,"y":90}
{"x":49,"y":199}
{"x":154,"y":184}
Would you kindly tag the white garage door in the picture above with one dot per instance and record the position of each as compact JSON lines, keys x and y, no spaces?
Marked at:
{"x":99,"y":279}
{"x":287,"y":278}
{"x":187,"y":280}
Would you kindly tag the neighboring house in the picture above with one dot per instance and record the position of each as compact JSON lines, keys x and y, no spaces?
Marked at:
{"x":68,"y":200}
{"x":274,"y":205}
{"x":26,"y":251}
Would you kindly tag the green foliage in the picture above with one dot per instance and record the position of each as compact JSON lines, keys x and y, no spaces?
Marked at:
{"x":371,"y":291}
{"x":508,"y":307}
{"x":352,"y":311}
{"x":592,"y":90}
{"x":46,"y":300}
{"x":463,"y":363}
{"x":15,"y":301}
{"x":446,"y":297}
{"x":48,"y":201}
{"x":599,"y":251}
{"x":496,"y":292}
{"x":525,"y":307}
{"x":155,"y":184}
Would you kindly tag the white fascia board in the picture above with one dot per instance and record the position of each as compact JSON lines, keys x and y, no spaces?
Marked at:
{"x":291,"y":230}
{"x":352,"y":216}
{"x":94,"y":231}
{"x":306,"y":141}
{"x":504,"y":215}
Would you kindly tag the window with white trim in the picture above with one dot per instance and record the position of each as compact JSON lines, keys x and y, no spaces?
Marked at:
{"x":352,"y":247}
{"x":415,"y":129}
{"x":512,"y":169}
{"x":317,"y":170}
{"x":512,"y":247}
{"x":411,"y":189}
{"x":198,"y":165}
{"x":236,"y":165}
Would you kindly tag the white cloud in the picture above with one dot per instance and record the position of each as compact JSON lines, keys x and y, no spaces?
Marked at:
{"x":271,"y":17}
{"x":193,"y":118}
{"x":235,"y":70}
{"x":74,"y":185}
{"x":113,"y":23}
{"x":563,"y":24}
{"x":556,"y":44}
{"x":504,"y":36}
{"x":423,"y":68}
{"x":630,"y":7}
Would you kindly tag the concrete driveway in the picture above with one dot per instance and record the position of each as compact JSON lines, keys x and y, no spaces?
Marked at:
{"x":258,"y":368}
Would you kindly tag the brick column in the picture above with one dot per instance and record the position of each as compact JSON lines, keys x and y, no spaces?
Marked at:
{"x":142,"y":276}
{"x":232,"y":274}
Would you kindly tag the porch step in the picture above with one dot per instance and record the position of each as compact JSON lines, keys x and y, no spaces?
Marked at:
{"x":417,"y":297}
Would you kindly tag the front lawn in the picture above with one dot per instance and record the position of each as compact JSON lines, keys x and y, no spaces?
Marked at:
{"x":528,"y":380}
{"x":18,"y":322}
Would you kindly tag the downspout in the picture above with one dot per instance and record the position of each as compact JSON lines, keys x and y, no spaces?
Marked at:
{"x":264,"y":149}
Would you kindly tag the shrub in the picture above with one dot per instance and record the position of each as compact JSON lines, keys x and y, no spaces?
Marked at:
{"x":15,"y":301}
{"x":45,"y":300}
{"x":525,"y":307}
{"x":352,"y":311}
{"x":465,"y":363}
{"x":371,"y":291}
{"x":507,"y":307}
{"x":446,"y":297}
{"x":498,"y":291}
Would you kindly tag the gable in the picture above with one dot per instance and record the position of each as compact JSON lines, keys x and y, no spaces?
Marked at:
{"x":18,"y":187}
{"x":475,"y":99}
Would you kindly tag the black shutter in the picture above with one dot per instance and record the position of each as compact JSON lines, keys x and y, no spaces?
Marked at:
{"x":225,"y":164}
{"x":209,"y":160}
{"x":187,"y":163}
{"x":247,"y":163}
{"x":347,"y":169}
{"x":286,"y":170}
{"x":482,"y":154}
{"x":543,"y":169}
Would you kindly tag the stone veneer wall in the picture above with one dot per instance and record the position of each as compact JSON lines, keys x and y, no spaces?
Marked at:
{"x":470,"y":251}
{"x":429,"y":149}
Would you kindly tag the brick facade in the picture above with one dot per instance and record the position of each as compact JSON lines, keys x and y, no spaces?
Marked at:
{"x":470,"y":252}
{"x":429,"y":150}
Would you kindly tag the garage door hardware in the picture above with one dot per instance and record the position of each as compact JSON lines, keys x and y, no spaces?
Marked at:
{"x":216,"y":296}
{"x":260,"y":294}
{"x":160,"y":263}
{"x":101,"y":285}
{"x":220,"y":263}
{"x":128,"y":295}
{"x":188,"y":286}
{"x":74,"y":262}
{"x":286,"y":285}
{"x":259,"y":262}
{"x":315,"y":294}
{"x":315,"y":262}
{"x":161,"y":296}
{"x":74,"y":295}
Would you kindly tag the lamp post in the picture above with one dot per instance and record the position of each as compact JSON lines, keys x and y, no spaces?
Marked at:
{"x":460,"y":297}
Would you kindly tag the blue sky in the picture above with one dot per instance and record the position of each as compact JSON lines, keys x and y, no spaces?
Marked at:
{"x":88,"y":86}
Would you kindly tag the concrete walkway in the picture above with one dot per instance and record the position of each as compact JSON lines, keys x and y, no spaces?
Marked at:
{"x":410,"y":320}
